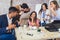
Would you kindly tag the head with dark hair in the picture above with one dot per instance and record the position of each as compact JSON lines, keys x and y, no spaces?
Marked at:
{"x":13,"y":11}
{"x":54,"y":5}
{"x":24,"y":5}
{"x":25,"y":8}
{"x":44,"y":6}
{"x":33,"y":16}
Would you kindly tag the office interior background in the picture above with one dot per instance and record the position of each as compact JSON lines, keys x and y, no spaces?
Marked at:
{"x":5,"y":4}
{"x":33,"y":5}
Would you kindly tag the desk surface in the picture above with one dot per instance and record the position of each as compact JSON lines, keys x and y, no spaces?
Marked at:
{"x":21,"y":33}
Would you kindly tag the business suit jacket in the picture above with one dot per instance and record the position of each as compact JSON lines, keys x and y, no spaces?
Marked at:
{"x":4,"y":24}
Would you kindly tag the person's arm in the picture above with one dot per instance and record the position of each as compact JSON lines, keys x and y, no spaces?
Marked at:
{"x":16,"y":21}
{"x":17,"y":24}
{"x":3,"y":30}
{"x":29,"y":23}
{"x":37,"y":23}
{"x":53,"y":12}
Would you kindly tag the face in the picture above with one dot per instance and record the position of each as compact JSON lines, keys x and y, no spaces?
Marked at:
{"x":52,"y":5}
{"x":14,"y":14}
{"x":33,"y":15}
{"x":25,"y":10}
{"x":43,"y":7}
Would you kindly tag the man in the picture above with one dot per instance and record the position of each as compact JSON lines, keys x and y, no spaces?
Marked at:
{"x":7,"y":25}
{"x":24,"y":8}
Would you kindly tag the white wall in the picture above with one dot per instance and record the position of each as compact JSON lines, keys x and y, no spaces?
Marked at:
{"x":4,"y":5}
{"x":31,"y":3}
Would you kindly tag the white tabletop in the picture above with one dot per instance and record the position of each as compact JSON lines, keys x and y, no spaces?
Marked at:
{"x":21,"y":34}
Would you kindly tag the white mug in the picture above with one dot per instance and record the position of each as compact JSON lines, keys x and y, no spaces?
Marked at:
{"x":59,"y":29}
{"x":25,"y":26}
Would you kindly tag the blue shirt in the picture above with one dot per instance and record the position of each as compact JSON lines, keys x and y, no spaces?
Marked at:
{"x":43,"y":14}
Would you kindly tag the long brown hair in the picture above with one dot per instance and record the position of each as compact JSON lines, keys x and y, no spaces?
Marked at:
{"x":35,"y":18}
{"x":46,"y":6}
{"x":55,"y":3}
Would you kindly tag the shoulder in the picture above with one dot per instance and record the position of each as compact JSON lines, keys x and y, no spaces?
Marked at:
{"x":58,"y":9}
{"x":37,"y":19}
{"x":46,"y":9}
{"x":2,"y":16}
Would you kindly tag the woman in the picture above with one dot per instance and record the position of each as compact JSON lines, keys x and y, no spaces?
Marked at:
{"x":55,"y":15}
{"x":55,"y":10}
{"x":44,"y":14}
{"x":33,"y":21}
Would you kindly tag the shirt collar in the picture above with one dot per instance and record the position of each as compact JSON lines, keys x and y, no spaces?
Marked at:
{"x":8,"y":17}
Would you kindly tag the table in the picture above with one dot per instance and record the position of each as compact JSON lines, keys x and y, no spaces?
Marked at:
{"x":21,"y":34}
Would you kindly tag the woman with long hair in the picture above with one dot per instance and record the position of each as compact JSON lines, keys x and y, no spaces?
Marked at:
{"x":43,"y":14}
{"x":55,"y":10}
{"x":33,"y":21}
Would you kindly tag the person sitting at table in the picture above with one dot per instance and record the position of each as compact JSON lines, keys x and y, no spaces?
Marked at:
{"x":33,"y":21}
{"x":55,"y":10}
{"x":55,"y":16}
{"x":44,"y":15}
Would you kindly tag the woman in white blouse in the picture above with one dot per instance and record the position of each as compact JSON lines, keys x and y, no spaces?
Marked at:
{"x":54,"y":10}
{"x":44,"y":14}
